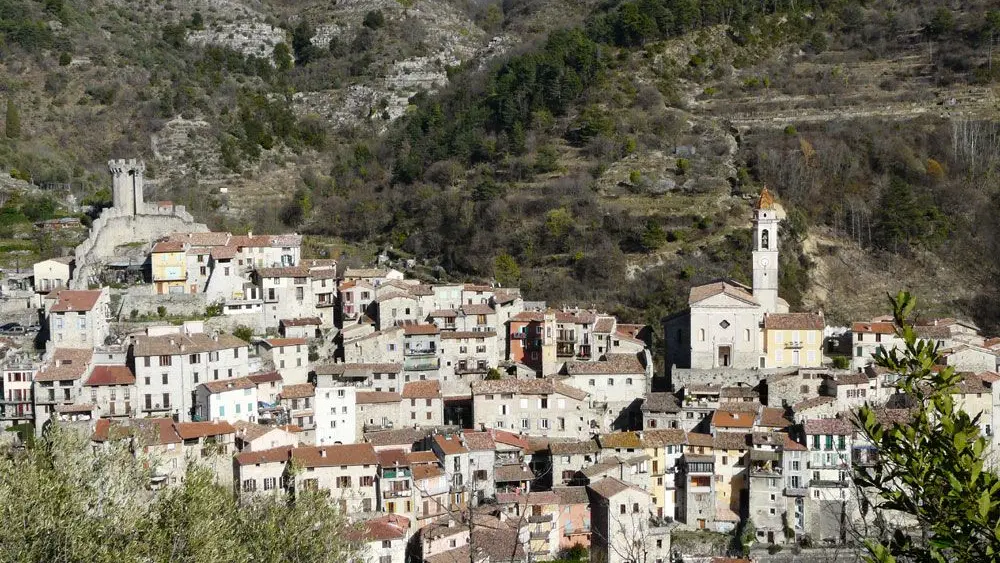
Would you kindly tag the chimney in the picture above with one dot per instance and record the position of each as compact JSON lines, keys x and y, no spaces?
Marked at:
{"x":249,"y":233}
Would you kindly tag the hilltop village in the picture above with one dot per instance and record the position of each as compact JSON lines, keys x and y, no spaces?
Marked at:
{"x":459,"y":421}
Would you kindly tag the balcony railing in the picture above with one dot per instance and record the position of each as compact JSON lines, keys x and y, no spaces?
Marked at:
{"x":395,"y":473}
{"x":471,"y":369}
{"x":540,"y":518}
{"x":795,"y":492}
{"x":793,"y":345}
{"x":411,"y":364}
{"x":398,"y":493}
{"x":430,"y":351}
{"x":518,"y":336}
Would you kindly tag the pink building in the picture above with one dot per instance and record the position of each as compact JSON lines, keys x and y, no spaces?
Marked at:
{"x":574,"y":523}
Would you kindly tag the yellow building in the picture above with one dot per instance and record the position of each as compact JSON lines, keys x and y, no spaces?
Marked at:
{"x":169,"y":265}
{"x":793,"y":340}
{"x":664,"y":447}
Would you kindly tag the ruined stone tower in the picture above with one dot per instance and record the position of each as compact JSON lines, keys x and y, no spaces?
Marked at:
{"x":126,"y":185}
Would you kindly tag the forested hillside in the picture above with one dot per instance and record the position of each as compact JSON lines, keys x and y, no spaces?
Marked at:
{"x":591,"y":153}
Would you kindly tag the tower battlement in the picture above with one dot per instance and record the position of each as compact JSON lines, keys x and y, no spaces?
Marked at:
{"x":127,"y":184}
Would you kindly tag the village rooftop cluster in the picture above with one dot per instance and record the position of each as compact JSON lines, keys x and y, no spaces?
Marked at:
{"x":460,"y":421}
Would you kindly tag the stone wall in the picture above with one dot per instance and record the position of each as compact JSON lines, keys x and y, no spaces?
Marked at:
{"x":682,"y":377}
{"x":115,"y":228}
{"x":148,"y":303}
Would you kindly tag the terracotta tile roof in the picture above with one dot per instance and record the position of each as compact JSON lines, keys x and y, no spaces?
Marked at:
{"x":774,"y":418}
{"x":428,"y":389}
{"x":68,"y":300}
{"x":388,"y":296}
{"x":571,"y":495}
{"x":286,"y":272}
{"x":752,"y":407}
{"x":392,"y":458}
{"x":332,"y":456}
{"x":528,"y":316}
{"x":477,"y":309}
{"x":223,"y":252}
{"x":376,"y":397}
{"x":577,"y":447}
{"x":178,"y":344}
{"x":479,"y":441}
{"x":794,"y":321}
{"x":547,"y":386}
{"x":576,"y":317}
{"x":422,"y":457}
{"x":608,"y":487}
{"x":971,"y":384}
{"x":604,"y":325}
{"x":508,"y":295}
{"x":791,"y":445}
{"x":732,"y":441}
{"x":249,"y":431}
{"x":774,"y":439}
{"x":297,"y":391}
{"x":455,"y":334}
{"x":386,"y":528}
{"x":66,"y":364}
{"x":705,"y":388}
{"x":190,"y":430}
{"x":450,"y":444}
{"x":812,"y":403}
{"x":234,"y":384}
{"x":413,"y":330}
{"x":396,"y":437}
{"x":622,"y":335}
{"x":443,"y":314}
{"x":110,"y":375}
{"x":621,"y":440}
{"x":702,"y":292}
{"x":835,"y":426}
{"x":738,"y":392}
{"x":612,"y":364}
{"x":365,"y":273}
{"x":533,"y":498}
{"x":874,"y":328}
{"x":201,"y":239}
{"x":167,"y":246}
{"x":659,"y":437}
{"x":149,"y":431}
{"x":730,"y":419}
{"x":508,"y":473}
{"x":698,"y":439}
{"x":426,"y":471}
{"x":852,"y":379}
{"x":510,"y":439}
{"x":302,"y":321}
{"x":357,"y":370}
{"x":274,"y":455}
{"x":266,"y":377}
{"x":989,"y":377}
{"x":764,"y":201}
{"x":277,"y":342}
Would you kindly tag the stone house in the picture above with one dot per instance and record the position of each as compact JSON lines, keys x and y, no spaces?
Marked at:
{"x":422,"y":403}
{"x":467,"y":355}
{"x":262,"y":471}
{"x":289,"y":356}
{"x":287,"y":293}
{"x":866,"y":337}
{"x":968,"y":357}
{"x":383,"y":347}
{"x":536,"y":513}
{"x":355,"y":297}
{"x":793,"y":340}
{"x":570,"y":456}
{"x":385,"y":539}
{"x":53,"y":274}
{"x":544,"y":407}
{"x":302,"y":327}
{"x":787,"y":389}
{"x":696,"y":504}
{"x":373,"y":276}
{"x":817,"y":407}
{"x":574,"y":516}
{"x":765,"y":487}
{"x":661,"y":410}
{"x":156,"y":438}
{"x":698,"y":403}
{"x":252,"y":437}
{"x":78,"y":318}
{"x":111,"y":389}
{"x":228,"y":400}
{"x":454,"y":456}
{"x":376,"y":377}
{"x":854,"y":390}
{"x":615,"y":385}
{"x":664,"y":446}
{"x":211,"y":443}
{"x":170,"y":362}
{"x":347,"y":471}
{"x":395,"y":483}
{"x":421,"y":344}
{"x":263,"y":251}
{"x":18,"y":374}
{"x":58,"y":382}
{"x":377,"y":410}
{"x":297,"y":402}
{"x":268,"y":386}
{"x":482,"y":460}
{"x":432,"y":488}
{"x":620,"y":522}
{"x":393,"y":307}
{"x":324,"y":291}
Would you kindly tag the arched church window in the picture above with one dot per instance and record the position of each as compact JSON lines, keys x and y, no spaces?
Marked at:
{"x":764,"y":242}
{"x":701,"y":334}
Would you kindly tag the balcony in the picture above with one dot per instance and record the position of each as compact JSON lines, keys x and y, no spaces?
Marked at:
{"x":566,"y":337}
{"x":795,"y":492}
{"x":413,"y":364}
{"x":540,"y":518}
{"x":539,"y":535}
{"x":401,"y":493}
{"x":793,"y":345}
{"x":395,"y":473}
{"x":468,"y":368}
{"x":584,"y":351}
{"x":417,"y":352}
{"x":828,"y":483}
{"x":518,"y":336}
{"x":565,"y":349}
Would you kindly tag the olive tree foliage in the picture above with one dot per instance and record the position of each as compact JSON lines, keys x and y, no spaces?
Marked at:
{"x":930,"y":468}
{"x":61,"y":500}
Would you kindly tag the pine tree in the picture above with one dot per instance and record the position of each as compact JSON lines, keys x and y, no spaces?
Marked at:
{"x":13,"y":121}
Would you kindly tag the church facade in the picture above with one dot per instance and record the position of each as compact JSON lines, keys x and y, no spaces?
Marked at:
{"x":723,"y":325}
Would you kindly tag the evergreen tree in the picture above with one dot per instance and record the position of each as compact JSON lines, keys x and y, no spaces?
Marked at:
{"x":12,"y":128}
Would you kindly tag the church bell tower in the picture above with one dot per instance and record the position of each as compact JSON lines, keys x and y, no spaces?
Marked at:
{"x":765,"y":252}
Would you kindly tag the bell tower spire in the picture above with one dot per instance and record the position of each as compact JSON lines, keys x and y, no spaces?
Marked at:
{"x":765,"y":252}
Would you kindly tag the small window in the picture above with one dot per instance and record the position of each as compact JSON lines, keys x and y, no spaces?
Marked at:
{"x":724,"y":324}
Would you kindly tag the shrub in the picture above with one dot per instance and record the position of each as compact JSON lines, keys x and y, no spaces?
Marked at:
{"x":841,"y":362}
{"x":791,"y":131}
{"x":161,"y":311}
{"x":374,"y":19}
{"x":65,"y":58}
{"x":243,"y":332}
{"x":683,"y":165}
